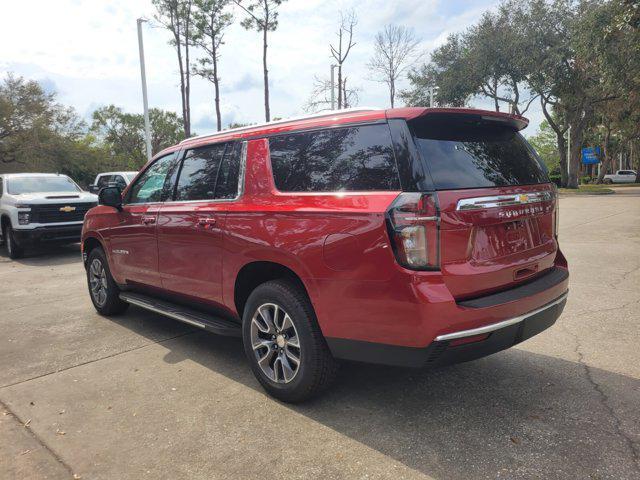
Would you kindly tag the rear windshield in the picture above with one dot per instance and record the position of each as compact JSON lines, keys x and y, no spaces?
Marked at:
{"x":476,"y":154}
{"x":22,"y":185}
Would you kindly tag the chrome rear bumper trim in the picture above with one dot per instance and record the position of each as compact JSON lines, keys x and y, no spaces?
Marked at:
{"x":494,"y":201}
{"x":497,"y":326}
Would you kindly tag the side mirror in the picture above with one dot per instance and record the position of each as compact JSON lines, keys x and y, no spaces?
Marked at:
{"x":111,"y":197}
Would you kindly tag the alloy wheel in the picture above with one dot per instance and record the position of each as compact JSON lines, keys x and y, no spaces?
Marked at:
{"x":98,"y":282}
{"x":275,"y":343}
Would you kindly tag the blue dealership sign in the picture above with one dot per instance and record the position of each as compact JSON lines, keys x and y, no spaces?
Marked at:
{"x":591,"y":155}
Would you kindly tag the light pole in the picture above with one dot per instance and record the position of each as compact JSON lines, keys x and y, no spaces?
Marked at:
{"x":143,"y":77}
{"x":333,"y":88}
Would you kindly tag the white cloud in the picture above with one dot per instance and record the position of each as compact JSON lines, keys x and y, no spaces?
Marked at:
{"x":88,"y":51}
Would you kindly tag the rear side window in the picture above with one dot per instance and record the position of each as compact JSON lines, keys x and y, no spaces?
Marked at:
{"x":197,"y":180}
{"x":341,"y":159}
{"x":474,"y":154}
{"x":227,"y":184}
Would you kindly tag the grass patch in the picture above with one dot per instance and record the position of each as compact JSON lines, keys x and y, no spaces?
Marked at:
{"x":587,"y":190}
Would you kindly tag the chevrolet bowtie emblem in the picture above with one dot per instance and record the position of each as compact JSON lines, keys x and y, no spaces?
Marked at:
{"x":523,"y":198}
{"x":67,"y":209}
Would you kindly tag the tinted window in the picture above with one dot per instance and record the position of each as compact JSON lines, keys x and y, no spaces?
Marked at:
{"x":104,"y":180}
{"x":354,"y":158}
{"x":197,"y":179}
{"x":150,"y":186}
{"x":475,"y":155}
{"x":119,"y":181}
{"x":227,"y":184}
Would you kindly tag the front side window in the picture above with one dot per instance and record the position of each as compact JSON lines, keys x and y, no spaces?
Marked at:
{"x":151,"y":184}
{"x":197,"y":179}
{"x":35,"y":184}
{"x":341,"y":159}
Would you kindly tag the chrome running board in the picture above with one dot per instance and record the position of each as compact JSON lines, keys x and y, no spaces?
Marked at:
{"x":183,"y":314}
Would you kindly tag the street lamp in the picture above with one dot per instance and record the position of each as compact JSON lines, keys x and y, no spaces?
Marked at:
{"x":143,"y":78}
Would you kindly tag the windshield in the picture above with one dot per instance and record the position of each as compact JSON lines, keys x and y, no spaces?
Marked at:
{"x":22,"y":185}
{"x":474,"y":155}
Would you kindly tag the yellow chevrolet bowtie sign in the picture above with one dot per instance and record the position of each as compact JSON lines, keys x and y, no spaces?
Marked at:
{"x":67,"y":209}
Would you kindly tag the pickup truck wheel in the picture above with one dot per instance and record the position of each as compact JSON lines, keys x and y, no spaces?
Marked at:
{"x":284,"y":344}
{"x":102,"y":288}
{"x":14,"y":250}
{"x":608,"y":181}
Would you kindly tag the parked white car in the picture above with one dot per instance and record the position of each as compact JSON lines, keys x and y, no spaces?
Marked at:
{"x":41,"y":207}
{"x":118,"y":179}
{"x":621,"y":176}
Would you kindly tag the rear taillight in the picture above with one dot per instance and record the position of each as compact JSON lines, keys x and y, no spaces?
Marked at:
{"x":413,"y":222}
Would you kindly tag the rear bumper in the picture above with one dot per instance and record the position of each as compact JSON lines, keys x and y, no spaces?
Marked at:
{"x":444,"y":350}
{"x":53,"y":234}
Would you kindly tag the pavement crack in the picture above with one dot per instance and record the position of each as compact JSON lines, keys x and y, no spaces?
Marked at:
{"x":40,"y":441}
{"x":99,"y":359}
{"x":604,"y":401}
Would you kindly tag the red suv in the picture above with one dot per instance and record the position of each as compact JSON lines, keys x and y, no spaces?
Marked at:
{"x":411,"y":237}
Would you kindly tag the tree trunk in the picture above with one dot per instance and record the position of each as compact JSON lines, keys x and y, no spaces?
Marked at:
{"x":606,"y":154}
{"x":267,"y":112}
{"x":577,"y":133}
{"x":562,"y":151}
{"x":344,"y":93}
{"x":392,"y":91}
{"x":340,"y":99}
{"x":182,"y":87}
{"x":216,"y":86}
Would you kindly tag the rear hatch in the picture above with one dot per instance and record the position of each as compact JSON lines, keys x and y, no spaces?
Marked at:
{"x":496,"y":204}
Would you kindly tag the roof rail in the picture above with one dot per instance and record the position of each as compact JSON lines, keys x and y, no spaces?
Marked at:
{"x":323,"y":113}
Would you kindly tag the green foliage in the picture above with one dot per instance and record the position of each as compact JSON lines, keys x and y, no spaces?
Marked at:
{"x":37,"y":134}
{"x":545,"y":144}
{"x":262,"y":14}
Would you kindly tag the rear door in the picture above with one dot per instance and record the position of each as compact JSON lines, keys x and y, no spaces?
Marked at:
{"x":496,"y":203}
{"x":133,"y":244}
{"x":190,"y":226}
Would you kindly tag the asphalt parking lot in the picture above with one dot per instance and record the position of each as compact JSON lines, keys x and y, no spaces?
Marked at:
{"x":141,"y":396}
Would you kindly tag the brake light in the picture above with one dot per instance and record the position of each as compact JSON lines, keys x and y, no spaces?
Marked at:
{"x":413,"y":221}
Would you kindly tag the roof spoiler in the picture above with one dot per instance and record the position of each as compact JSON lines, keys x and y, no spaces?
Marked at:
{"x":516,"y":122}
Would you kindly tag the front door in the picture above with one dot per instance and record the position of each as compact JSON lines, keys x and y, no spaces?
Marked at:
{"x":190,"y":228}
{"x":133,"y":243}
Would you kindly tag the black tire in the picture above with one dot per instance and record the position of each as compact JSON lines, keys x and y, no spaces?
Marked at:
{"x":108,"y":303}
{"x":14,"y":249}
{"x":607,"y":181}
{"x":317,"y":367}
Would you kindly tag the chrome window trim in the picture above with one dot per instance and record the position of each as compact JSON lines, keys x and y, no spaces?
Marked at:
{"x":495,"y":201}
{"x":497,"y":326}
{"x":241,"y":177}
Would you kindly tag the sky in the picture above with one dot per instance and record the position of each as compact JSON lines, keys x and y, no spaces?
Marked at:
{"x":87,"y":52}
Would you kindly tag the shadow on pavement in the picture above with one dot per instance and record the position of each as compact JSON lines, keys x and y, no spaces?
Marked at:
{"x":46,"y":256}
{"x":515,"y":414}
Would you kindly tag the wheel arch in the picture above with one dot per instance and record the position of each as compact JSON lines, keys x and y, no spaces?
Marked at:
{"x":88,"y":244}
{"x":255,"y":273}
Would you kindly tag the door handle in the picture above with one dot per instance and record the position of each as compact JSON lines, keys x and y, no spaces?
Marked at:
{"x":148,"y":219}
{"x":206,"y":222}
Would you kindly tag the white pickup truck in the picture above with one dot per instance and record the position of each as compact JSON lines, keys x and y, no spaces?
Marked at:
{"x":621,"y":176}
{"x":41,"y":207}
{"x":119,"y":179}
